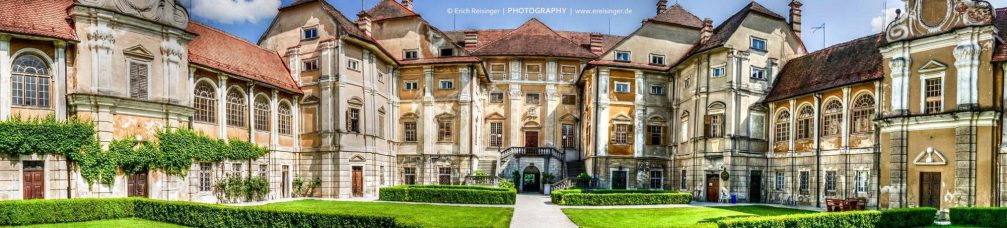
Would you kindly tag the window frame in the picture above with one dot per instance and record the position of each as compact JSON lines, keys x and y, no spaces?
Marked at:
{"x":805,"y":123}
{"x":406,"y":54}
{"x":830,"y":182}
{"x":753,"y":128}
{"x":621,"y":83}
{"x":312,"y":29}
{"x":236,"y":109}
{"x":861,"y":181}
{"x":353,"y":120}
{"x":753,"y":40}
{"x":657,"y":90}
{"x":781,"y":132}
{"x":19,"y":82}
{"x":406,"y":85}
{"x":205,"y":175}
{"x":209,"y":114}
{"x":313,"y":62}
{"x":718,"y":72}
{"x":628,"y":55}
{"x":659,"y":178}
{"x":832,"y":118}
{"x":284,"y":119}
{"x":862,"y":112}
{"x":409,"y":129}
{"x":353,"y":64}
{"x":654,"y":57}
{"x":657,"y":136}
{"x":764,"y":75}
{"x":536,"y":101}
{"x":129,"y":78}
{"x":445,"y":130}
{"x":497,"y":97}
{"x":569,"y":99}
{"x":441,"y":52}
{"x":684,"y":180}
{"x":781,"y":180}
{"x":923,"y":92}
{"x":568,"y":130}
{"x":621,"y":134}
{"x":441,"y":84}
{"x":409,"y":175}
{"x":804,"y":182}
{"x":496,"y":134}
{"x":260,"y":113}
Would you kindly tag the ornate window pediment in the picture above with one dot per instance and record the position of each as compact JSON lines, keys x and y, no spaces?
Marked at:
{"x":932,"y":66}
{"x":138,"y":51}
{"x":622,"y":118}
{"x":569,"y":117}
{"x":532,"y":124}
{"x":930,"y":156}
{"x":495,"y":116}
{"x":357,"y":158}
{"x":409,"y":116}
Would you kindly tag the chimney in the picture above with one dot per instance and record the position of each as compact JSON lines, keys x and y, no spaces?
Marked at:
{"x":364,"y":22}
{"x":707,"y":31}
{"x":596,"y":40}
{"x":471,"y":38}
{"x":795,"y":17}
{"x":408,"y":4}
{"x":662,"y":5}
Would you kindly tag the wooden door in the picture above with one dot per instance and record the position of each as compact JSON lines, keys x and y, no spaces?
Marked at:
{"x":284,"y":184}
{"x":358,"y":181}
{"x":755,"y":187}
{"x":619,"y":179}
{"x":34,"y":179}
{"x":930,"y":189}
{"x":531,"y":139}
{"x":712,"y":188}
{"x":137,"y":184}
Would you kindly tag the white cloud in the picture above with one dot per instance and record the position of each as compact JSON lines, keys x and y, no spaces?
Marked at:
{"x":878,"y":23}
{"x":235,"y":11}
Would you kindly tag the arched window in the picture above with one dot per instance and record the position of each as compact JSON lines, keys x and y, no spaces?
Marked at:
{"x":236,"y":109}
{"x":30,"y":82}
{"x":832,"y":118}
{"x":284,"y":119}
{"x":805,"y":120}
{"x":205,"y":102}
{"x":783,"y":126}
{"x":685,"y":127}
{"x":863,"y":112}
{"x":262,"y":114}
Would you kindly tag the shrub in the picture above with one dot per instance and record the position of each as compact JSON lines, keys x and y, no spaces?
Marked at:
{"x":863,"y":219}
{"x":979,"y":216}
{"x":462,"y":194}
{"x":907,"y":217}
{"x":505,"y":184}
{"x":557,"y":196}
{"x":26,"y":212}
{"x":596,"y":199}
{"x":235,"y":188}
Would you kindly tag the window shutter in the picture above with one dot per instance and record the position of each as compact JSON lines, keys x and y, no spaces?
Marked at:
{"x":349,"y":123}
{"x":723,"y":124}
{"x":665,"y":136}
{"x":706,"y":125}
{"x":138,"y":80}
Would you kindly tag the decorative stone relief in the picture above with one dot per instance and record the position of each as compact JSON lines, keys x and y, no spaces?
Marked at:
{"x":918,"y":22}
{"x":930,"y":156}
{"x":162,"y":11}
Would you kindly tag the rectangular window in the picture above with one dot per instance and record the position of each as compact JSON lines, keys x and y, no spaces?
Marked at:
{"x":444,"y":130}
{"x":205,"y":177}
{"x":656,"y":59}
{"x":830,"y":182}
{"x":780,"y":177}
{"x":309,"y":33}
{"x":445,"y":84}
{"x":657,"y":90}
{"x":353,"y":64}
{"x":567,"y":72}
{"x":622,"y":87}
{"x":758,"y":44}
{"x":410,"y":85}
{"x":264,"y":171}
{"x":496,"y":134}
{"x":758,"y":126}
{"x":805,"y":186}
{"x":496,"y":97}
{"x":933,"y":92}
{"x":409,"y":131}
{"x":683,"y":181}
{"x":236,"y":169}
{"x":498,"y":71}
{"x":310,"y":65}
{"x":409,"y":175}
{"x":447,"y":52}
{"x":621,"y":134}
{"x":533,"y":68}
{"x":531,"y":98}
{"x":656,"y":179}
{"x":570,"y":99}
{"x":353,"y":120}
{"x":622,"y":56}
{"x":714,"y":125}
{"x":758,"y":73}
{"x":138,"y":74}
{"x":861,"y":180}
{"x":444,"y":175}
{"x":718,"y":72}
{"x":568,"y":136}
{"x":410,"y":54}
{"x":656,"y":135}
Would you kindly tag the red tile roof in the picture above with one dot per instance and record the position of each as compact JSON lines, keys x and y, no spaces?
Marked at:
{"x":219,"y":50}
{"x":48,"y":18}
{"x":1000,"y":21}
{"x":842,"y":64}
{"x":725,"y":30}
{"x":534,"y":39}
{"x":389,"y":9}
{"x":677,"y":15}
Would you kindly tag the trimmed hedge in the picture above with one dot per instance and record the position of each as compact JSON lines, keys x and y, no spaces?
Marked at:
{"x":618,"y":197}
{"x":862,"y":219}
{"x":979,"y":216}
{"x":460,"y":194}
{"x":27,"y":212}
{"x":908,"y":217}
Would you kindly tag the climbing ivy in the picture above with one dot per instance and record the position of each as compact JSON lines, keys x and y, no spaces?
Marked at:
{"x":45,"y":135}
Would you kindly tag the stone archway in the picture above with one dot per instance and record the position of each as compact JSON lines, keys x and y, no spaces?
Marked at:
{"x":531,"y":180}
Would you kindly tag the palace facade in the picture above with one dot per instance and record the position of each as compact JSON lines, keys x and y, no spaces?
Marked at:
{"x":737,"y":111}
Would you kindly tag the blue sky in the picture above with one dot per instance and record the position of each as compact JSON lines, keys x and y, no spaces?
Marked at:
{"x":843,"y":20}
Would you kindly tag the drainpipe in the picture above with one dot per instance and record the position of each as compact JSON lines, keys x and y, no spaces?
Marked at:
{"x":597,"y":121}
{"x":818,"y":151}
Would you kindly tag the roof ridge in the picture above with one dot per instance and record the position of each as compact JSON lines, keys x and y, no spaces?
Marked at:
{"x":844,"y":44}
{"x":529,"y":23}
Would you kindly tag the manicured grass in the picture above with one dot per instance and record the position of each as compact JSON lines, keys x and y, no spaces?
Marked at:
{"x":692,"y":217}
{"x":117,"y":223}
{"x":418,"y":214}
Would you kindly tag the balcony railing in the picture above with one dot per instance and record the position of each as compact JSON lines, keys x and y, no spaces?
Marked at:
{"x":532,"y":151}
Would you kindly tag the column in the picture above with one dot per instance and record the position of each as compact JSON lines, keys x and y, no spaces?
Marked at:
{"x":294,"y":63}
{"x":601,"y":134}
{"x":190,"y":87}
{"x":250,"y":102}
{"x":101,"y":40}
{"x":59,"y":85}
{"x":274,"y":111}
{"x":326,"y":125}
{"x":429,"y":124}
{"x":221,"y":106}
{"x":640,"y":115}
{"x":514,"y":116}
{"x":465,"y":100}
{"x":845,"y":125}
{"x":171,"y":56}
{"x":295,"y":122}
{"x":5,"y":72}
{"x":549,"y":130}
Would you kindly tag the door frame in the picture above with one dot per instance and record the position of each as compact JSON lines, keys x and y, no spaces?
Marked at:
{"x":352,"y":182}
{"x":45,"y":176}
{"x":284,"y":181}
{"x":538,"y":137}
{"x":706,"y":185}
{"x":751,"y":175}
{"x":146,"y":184}
{"x":611,"y":178}
{"x":937,"y":183}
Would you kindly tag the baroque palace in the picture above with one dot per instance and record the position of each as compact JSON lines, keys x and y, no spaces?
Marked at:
{"x":908,"y":117}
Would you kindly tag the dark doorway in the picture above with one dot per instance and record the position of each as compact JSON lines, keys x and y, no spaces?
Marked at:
{"x":34,"y":179}
{"x":531,"y":139}
{"x":619,"y":179}
{"x":136,"y":184}
{"x":755,"y":187}
{"x":930,"y":189}
{"x":712,"y":188}
{"x":358,"y":181}
{"x":531,"y":180}
{"x":284,"y":181}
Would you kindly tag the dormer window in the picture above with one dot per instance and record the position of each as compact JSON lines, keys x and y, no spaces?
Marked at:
{"x":411,"y":54}
{"x":310,"y":33}
{"x":718,"y":72}
{"x":447,"y":52}
{"x":758,"y":44}
{"x":656,"y":59}
{"x":758,"y":73}
{"x":622,"y":56}
{"x":310,"y":65}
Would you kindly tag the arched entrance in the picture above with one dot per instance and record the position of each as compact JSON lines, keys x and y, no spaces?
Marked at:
{"x":531,"y":180}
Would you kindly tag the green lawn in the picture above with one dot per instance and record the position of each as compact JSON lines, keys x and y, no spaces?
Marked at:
{"x":116,"y":223}
{"x":419,"y":214}
{"x":692,"y":217}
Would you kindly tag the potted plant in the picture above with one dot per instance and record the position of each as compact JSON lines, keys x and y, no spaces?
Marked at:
{"x":547,"y":178}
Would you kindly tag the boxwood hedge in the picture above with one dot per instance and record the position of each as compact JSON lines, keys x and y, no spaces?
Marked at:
{"x":29,"y":212}
{"x":908,"y":217}
{"x":618,"y":197}
{"x":461,"y":194}
{"x":897,"y":218}
{"x":979,"y":216}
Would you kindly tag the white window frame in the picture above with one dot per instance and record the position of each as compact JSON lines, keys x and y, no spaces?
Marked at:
{"x":567,"y":75}
{"x":650,"y":184}
{"x":861,"y":180}
{"x":923,"y":90}
{"x":502,"y":66}
{"x":781,"y":180}
{"x":304,"y":64}
{"x":415,"y":85}
{"x":763,"y":76}
{"x":661,"y":89}
{"x":304,"y":31}
{"x":405,"y":54}
{"x":441,"y":52}
{"x":765,"y":44}
{"x":440,"y":84}
{"x":629,"y":56}
{"x":718,"y":71}
{"x":617,"y":84}
{"x":657,"y":56}
{"x":353,"y":64}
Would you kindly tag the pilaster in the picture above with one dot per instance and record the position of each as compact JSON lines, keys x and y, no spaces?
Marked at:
{"x":551,"y":101}
{"x":221,"y":106}
{"x":5,"y":77}
{"x":514,"y":116}
{"x":967,"y":64}
{"x":429,"y":124}
{"x":900,"y":83}
{"x":601,"y":133}
{"x":274,"y":110}
{"x":965,"y":166}
{"x":465,"y":135}
{"x":59,"y":85}
{"x":250,"y":114}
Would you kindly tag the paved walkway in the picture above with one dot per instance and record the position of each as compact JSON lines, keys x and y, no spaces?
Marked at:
{"x":535,"y":210}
